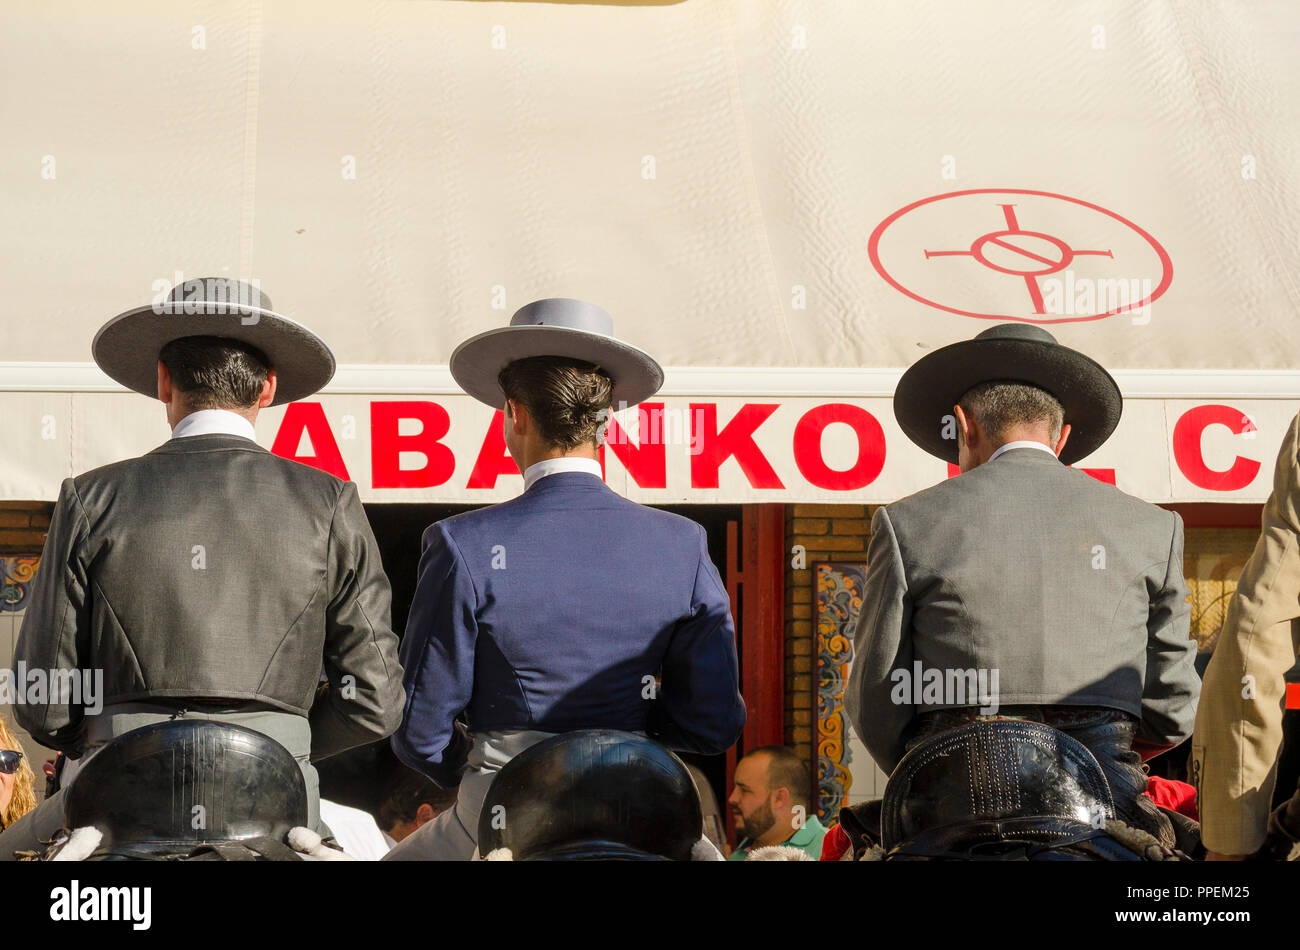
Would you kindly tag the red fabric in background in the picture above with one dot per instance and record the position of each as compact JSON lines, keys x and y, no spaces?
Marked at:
{"x":835,"y":844}
{"x":1176,"y":796}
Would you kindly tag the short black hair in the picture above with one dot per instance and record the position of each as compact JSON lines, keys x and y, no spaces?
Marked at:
{"x":786,"y":770}
{"x":408,"y":792}
{"x":213,"y":372}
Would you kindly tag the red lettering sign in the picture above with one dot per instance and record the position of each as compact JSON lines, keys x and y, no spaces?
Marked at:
{"x":387,"y":445}
{"x":808,"y":447}
{"x":309,"y":417}
{"x":1188,"y":431}
{"x":735,"y":440}
{"x":647,"y":461}
{"x":493,"y":458}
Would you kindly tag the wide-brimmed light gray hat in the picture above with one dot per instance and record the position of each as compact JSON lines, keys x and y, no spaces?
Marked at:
{"x":556,"y":326}
{"x":127,"y":347}
{"x":1008,"y":353}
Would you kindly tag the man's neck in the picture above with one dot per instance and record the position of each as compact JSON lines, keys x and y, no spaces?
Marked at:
{"x":779,"y":833}
{"x":212,"y":422}
{"x":182,"y":413}
{"x":1036,"y":444}
{"x":551,"y":452}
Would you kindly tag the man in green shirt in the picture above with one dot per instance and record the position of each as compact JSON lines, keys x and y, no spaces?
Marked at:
{"x":770,"y":803}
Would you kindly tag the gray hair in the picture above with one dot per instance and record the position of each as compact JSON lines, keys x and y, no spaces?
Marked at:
{"x":1000,"y":406}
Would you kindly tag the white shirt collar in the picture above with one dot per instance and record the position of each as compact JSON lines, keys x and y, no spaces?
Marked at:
{"x":1022,"y":444}
{"x":212,"y":422}
{"x":539,"y":470}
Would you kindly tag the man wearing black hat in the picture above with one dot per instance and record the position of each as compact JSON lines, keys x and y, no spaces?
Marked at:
{"x":1062,"y":597}
{"x":209,"y":578}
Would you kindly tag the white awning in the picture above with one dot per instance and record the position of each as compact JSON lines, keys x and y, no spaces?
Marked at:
{"x":758,"y":193}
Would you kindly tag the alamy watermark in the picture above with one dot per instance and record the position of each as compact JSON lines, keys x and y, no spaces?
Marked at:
{"x":208,"y":296}
{"x":37,"y":687}
{"x":1083,"y":296}
{"x":664,"y":426}
{"x":939,"y":687}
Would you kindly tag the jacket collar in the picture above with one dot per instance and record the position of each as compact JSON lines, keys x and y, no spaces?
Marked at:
{"x":568,"y":481}
{"x":1026,"y":455}
{"x":1021,"y":444}
{"x":539,"y":470}
{"x":213,"y":421}
{"x":206,"y":443}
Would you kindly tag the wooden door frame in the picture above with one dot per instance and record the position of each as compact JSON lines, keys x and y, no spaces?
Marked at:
{"x":755,"y":578}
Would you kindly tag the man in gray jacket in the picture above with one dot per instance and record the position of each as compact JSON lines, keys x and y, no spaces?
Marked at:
{"x":1023,"y":588}
{"x":209,"y":578}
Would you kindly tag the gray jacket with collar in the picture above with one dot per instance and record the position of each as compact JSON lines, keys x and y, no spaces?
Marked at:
{"x":1070,"y":589}
{"x":211,"y":569}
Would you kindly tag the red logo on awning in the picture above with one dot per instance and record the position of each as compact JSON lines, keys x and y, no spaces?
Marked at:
{"x":1040,"y":258}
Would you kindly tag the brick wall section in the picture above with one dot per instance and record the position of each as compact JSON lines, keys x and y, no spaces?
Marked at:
{"x":828,"y":533}
{"x":23,"y":526}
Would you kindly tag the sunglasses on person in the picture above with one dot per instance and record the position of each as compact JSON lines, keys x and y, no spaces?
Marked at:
{"x":9,"y":761}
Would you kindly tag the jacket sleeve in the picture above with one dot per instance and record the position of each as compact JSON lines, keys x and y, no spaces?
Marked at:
{"x":698,"y":707}
{"x":438,"y":656}
{"x":1239,"y":723}
{"x":882,"y":644}
{"x":363,"y":702}
{"x":1172,"y":686}
{"x":55,"y":634}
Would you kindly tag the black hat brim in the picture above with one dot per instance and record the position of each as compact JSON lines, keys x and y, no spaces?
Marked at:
{"x":930,"y":388}
{"x":126,"y":348}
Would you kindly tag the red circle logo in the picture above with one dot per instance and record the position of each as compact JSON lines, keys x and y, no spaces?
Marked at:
{"x":1027,"y":256}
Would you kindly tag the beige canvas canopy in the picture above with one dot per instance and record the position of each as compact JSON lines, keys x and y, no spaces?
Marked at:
{"x":784,"y":202}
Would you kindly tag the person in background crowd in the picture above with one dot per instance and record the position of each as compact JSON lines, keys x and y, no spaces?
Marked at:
{"x":1068,"y":590}
{"x":568,"y":607}
{"x":1239,"y":724}
{"x":17,"y":781}
{"x":209,"y":578}
{"x":770,"y":803}
{"x":413,"y":801}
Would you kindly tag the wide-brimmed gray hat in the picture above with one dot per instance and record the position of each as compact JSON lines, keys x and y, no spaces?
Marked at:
{"x":1008,"y":353}
{"x":556,"y":326}
{"x":127,"y":347}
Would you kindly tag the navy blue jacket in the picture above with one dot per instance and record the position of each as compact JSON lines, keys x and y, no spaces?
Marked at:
{"x":555,"y":611}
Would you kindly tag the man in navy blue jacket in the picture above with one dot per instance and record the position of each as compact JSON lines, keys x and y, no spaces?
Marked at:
{"x":568,"y":607}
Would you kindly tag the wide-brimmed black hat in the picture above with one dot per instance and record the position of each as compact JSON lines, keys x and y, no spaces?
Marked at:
{"x":1008,"y":353}
{"x":127,"y":347}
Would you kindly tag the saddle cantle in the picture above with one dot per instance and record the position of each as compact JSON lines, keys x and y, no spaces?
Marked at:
{"x":173,"y":787}
{"x":592,"y":795}
{"x":990,"y":782}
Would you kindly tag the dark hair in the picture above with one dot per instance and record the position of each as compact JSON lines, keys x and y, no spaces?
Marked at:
{"x":409,"y":791}
{"x":568,"y":399}
{"x":998,"y":406}
{"x":214,"y":372}
{"x":785,"y":769}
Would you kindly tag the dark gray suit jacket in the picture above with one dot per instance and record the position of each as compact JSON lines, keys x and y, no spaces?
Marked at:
{"x":1072,"y":590}
{"x":212,"y":569}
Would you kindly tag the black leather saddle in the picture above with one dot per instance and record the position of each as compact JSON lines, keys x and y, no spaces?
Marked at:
{"x":994,"y":789}
{"x":189,"y":786}
{"x":592,"y":795}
